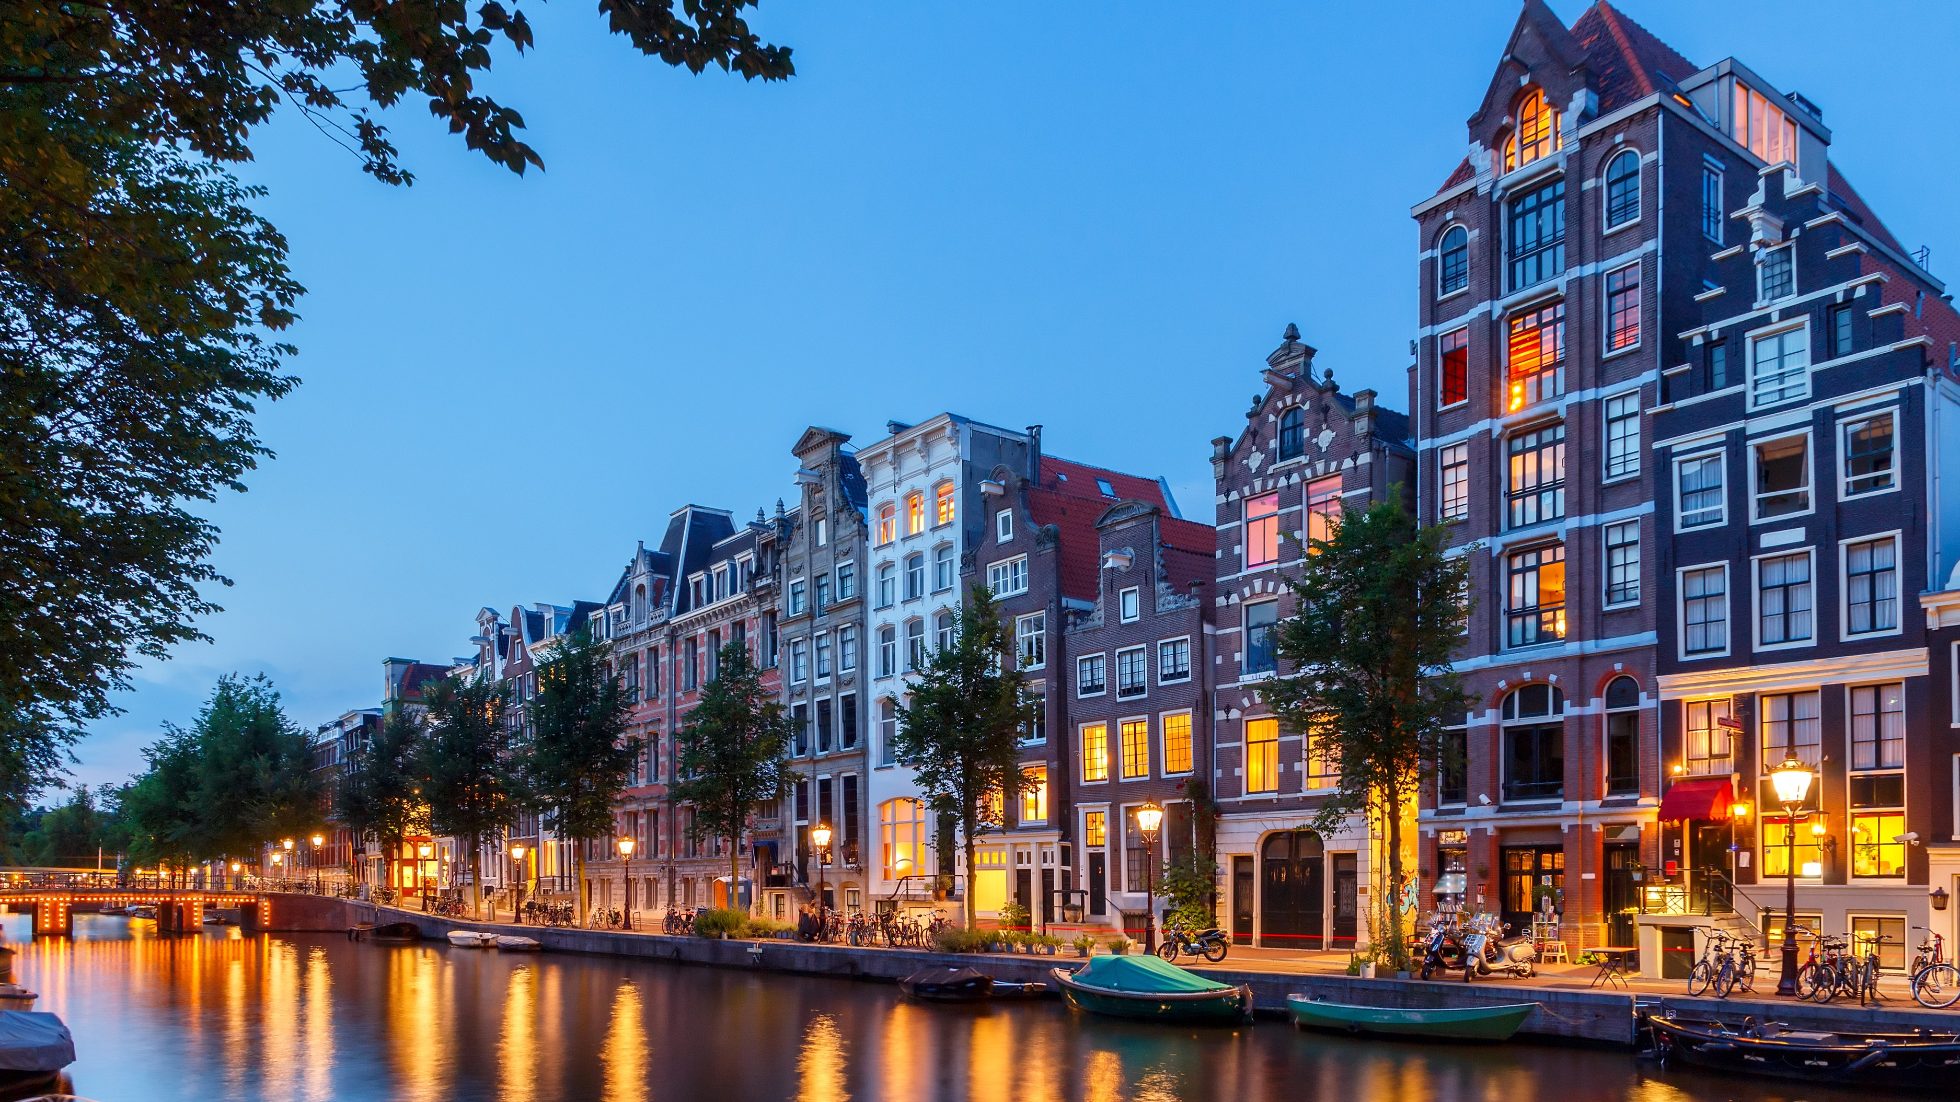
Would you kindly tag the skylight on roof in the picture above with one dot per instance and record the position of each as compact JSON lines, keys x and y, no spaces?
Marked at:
{"x":1103,"y":485}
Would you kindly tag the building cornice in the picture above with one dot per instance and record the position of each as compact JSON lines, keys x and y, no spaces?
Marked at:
{"x":1773,"y":677}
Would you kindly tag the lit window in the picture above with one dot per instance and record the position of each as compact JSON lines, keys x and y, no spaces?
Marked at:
{"x":1262,"y":755}
{"x":1878,"y":726}
{"x":1130,"y":672}
{"x":1136,"y":748}
{"x":1453,"y":352}
{"x":1454,"y":466}
{"x":1623,"y":435}
{"x":1536,"y":134}
{"x":1537,"y":357}
{"x":1453,"y":262}
{"x":942,"y":504}
{"x":1782,"y":469}
{"x":1535,"y":608}
{"x":1622,"y":189}
{"x":1177,"y":742}
{"x":1095,"y":752}
{"x":1537,"y":238}
{"x":1091,"y":673}
{"x":1031,"y":640}
{"x":1776,"y":837}
{"x":1707,"y":749}
{"x":1623,"y":563}
{"x":1292,"y":434}
{"x":887,"y":523}
{"x":1173,"y":660}
{"x":1095,"y":828}
{"x":1008,"y":577}
{"x":902,"y":837}
{"x":1323,"y":508}
{"x":1127,"y":605}
{"x":1323,"y":766}
{"x":1783,"y":599}
{"x":1623,"y":308}
{"x":1875,"y":848}
{"x":1871,"y":586}
{"x":1535,"y":490}
{"x":1701,"y":490}
{"x":1775,"y":273}
{"x":1261,"y":530}
{"x":1261,"y":628}
{"x":1791,"y":724}
{"x":1762,"y":129}
{"x":1705,"y":610}
{"x":915,"y":514}
{"x":1034,"y":794}
{"x":1868,"y":454}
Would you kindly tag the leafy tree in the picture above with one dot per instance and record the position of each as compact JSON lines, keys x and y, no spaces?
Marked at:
{"x":380,"y":789}
{"x":579,"y":756}
{"x":466,"y":763}
{"x":76,"y":834}
{"x":141,"y":297}
{"x":1380,"y":614}
{"x":254,"y":777}
{"x":961,"y":734}
{"x":1190,"y":887}
{"x":159,"y":807}
{"x":733,"y":751}
{"x":34,"y":755}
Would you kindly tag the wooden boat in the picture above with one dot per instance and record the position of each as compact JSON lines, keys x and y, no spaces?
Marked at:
{"x":1152,"y":989}
{"x":1468,"y":1023}
{"x":15,"y":997}
{"x":143,"y":911}
{"x":955,"y":984}
{"x":472,"y":939}
{"x":34,"y":1047}
{"x":1923,"y":1060}
{"x":394,"y":932}
{"x":518,"y":943}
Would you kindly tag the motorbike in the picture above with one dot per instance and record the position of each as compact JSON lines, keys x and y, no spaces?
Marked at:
{"x":1444,"y":948}
{"x":1487,"y":950}
{"x":1210,"y":944}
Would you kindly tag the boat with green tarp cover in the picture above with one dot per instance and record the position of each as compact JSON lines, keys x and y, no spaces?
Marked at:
{"x":1463,"y":1023}
{"x":1153,"y":989}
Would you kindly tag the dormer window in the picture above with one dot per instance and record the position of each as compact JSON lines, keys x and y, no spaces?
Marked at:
{"x":1536,"y":134}
{"x":1761,"y":128}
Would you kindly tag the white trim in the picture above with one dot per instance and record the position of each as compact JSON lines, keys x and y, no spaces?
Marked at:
{"x":1756,"y":599}
{"x":1606,"y":435}
{"x":1681,"y":612}
{"x":1081,"y":744}
{"x":1143,"y":689}
{"x":1897,"y":536}
{"x":1809,"y":476}
{"x":1187,"y":660}
{"x":1081,"y":658}
{"x":1606,"y":191}
{"x":1812,"y":673}
{"x":1721,"y":457}
{"x":1844,"y":424}
{"x":1767,"y":332}
{"x":1606,"y":604}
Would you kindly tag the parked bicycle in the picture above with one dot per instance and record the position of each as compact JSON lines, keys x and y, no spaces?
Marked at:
{"x":1727,"y":965}
{"x":1935,"y":981}
{"x":678,"y":921}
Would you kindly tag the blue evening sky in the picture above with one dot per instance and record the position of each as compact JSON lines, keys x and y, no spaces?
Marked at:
{"x":1096,"y":217}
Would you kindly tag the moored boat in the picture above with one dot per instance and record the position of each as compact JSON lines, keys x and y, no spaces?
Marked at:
{"x":15,"y":997}
{"x":1152,"y":989}
{"x":518,"y":943}
{"x":472,"y":939}
{"x":1464,"y":1023}
{"x":34,"y":1047}
{"x":949,"y":983}
{"x":1923,"y":1060}
{"x":144,"y":910}
{"x":393,"y":932}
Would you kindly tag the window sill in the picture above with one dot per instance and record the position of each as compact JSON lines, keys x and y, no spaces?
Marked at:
{"x":1860,"y":637}
{"x":1461,"y":403}
{"x":1616,"y":353}
{"x":1617,"y":479}
{"x":1621,"y":606}
{"x":1771,"y":648}
{"x":1185,"y":680}
{"x":1863,"y":494}
{"x":1704,"y":656}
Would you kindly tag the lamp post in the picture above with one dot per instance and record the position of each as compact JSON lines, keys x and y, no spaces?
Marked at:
{"x":318,"y":840}
{"x":820,"y":838}
{"x":517,"y":901}
{"x":234,"y":876}
{"x":277,"y":857}
{"x":626,"y":851}
{"x":291,"y":864}
{"x":1150,"y":817}
{"x":1792,"y":781}
{"x":422,"y":874}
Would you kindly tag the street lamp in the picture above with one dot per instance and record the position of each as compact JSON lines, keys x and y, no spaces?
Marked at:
{"x":422,"y":874}
{"x":626,"y":851}
{"x":318,"y":839}
{"x":517,"y":902}
{"x":291,"y":864}
{"x":820,"y":838}
{"x":1792,"y":781}
{"x":1150,"y":817}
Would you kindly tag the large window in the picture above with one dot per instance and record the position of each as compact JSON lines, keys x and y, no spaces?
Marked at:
{"x":1261,"y":621}
{"x":887,"y":523}
{"x":1705,"y":610}
{"x":1868,"y":454}
{"x":1623,"y":563}
{"x":1784,"y":601}
{"x":1623,"y":189}
{"x":1878,"y":726}
{"x":1323,"y":507}
{"x":1008,"y":577}
{"x":1623,"y":308}
{"x":1537,"y":133}
{"x":942,"y":504}
{"x":1622,"y":737}
{"x":1779,"y":367}
{"x":1177,"y":742}
{"x":1031,"y":640}
{"x":1261,"y":530}
{"x":902,"y":837}
{"x":1091,"y":675}
{"x":1136,"y":748}
{"x":915,"y":576}
{"x":1453,"y":262}
{"x":1095,"y":752}
{"x":1292,"y":434}
{"x":1702,"y":491}
{"x":1791,"y":724}
{"x":1535,"y":479}
{"x":1538,"y":235}
{"x":1876,"y":850}
{"x":1777,"y":834}
{"x":1761,"y":128}
{"x":1453,"y":469}
{"x":1534,"y":743}
{"x":1132,"y":672}
{"x":1261,"y":755}
{"x":1871,"y":586}
{"x":915,"y":513}
{"x":1453,"y":354}
{"x":1707,"y":749}
{"x":1623,"y":435}
{"x":1536,"y":350}
{"x":1034,"y":794}
{"x":1174,"y":660}
{"x":1782,"y":474}
{"x":1535,"y":596}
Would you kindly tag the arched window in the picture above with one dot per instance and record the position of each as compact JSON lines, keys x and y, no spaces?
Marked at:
{"x":1623,"y":737}
{"x":1453,"y":261}
{"x":915,"y":576}
{"x":1623,"y":189}
{"x":915,"y":513}
{"x":1536,"y":133}
{"x":1292,"y":433}
{"x":887,"y":523}
{"x":942,"y":504}
{"x":1534,"y":744}
{"x":942,"y":631}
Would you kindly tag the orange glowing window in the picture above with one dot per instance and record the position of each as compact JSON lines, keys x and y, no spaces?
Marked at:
{"x":915,"y":514}
{"x":1262,"y":530}
{"x":1323,"y":507}
{"x":1536,"y":133}
{"x":887,"y":523}
{"x":1537,"y":353}
{"x":942,"y":505}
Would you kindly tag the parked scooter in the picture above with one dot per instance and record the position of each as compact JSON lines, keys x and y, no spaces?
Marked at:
{"x":1488,"y":951}
{"x":1210,"y":944}
{"x":1444,"y":947}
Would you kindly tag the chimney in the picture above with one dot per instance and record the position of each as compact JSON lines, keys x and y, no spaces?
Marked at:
{"x":1034,"y":454}
{"x":392,"y":671}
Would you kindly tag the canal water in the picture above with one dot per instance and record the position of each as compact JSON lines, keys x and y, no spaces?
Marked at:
{"x":281,"y":1018}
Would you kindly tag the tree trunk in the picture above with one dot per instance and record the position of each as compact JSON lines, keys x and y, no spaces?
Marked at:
{"x":476,"y":880}
{"x":966,"y":841}
{"x":578,"y":878}
{"x":1398,"y":946}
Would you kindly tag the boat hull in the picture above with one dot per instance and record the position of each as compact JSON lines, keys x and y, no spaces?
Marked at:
{"x":1877,"y":1060}
{"x":517,"y":943}
{"x":1225,"y":1006}
{"x":1474,"y":1023}
{"x":471,"y":939}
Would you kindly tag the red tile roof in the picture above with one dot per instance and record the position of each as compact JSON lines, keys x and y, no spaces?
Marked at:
{"x":1463,"y":174}
{"x":1190,"y":552}
{"x":1069,"y":498}
{"x":1854,"y":205}
{"x":1625,"y":58}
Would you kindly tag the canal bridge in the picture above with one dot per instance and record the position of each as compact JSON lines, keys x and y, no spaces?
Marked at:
{"x":53,"y":897}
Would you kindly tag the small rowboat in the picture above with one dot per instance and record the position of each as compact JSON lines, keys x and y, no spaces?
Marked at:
{"x":953,"y":984}
{"x":1152,"y":989}
{"x":1924,"y":1060}
{"x":518,"y":943}
{"x":1469,"y":1023}
{"x":34,"y":1047}
{"x":472,"y":939}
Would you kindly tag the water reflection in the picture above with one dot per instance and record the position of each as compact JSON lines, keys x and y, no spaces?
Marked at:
{"x":308,"y":1019}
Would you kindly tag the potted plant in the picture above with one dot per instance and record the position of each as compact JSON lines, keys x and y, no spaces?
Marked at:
{"x":1083,"y":943}
{"x":1118,"y":945}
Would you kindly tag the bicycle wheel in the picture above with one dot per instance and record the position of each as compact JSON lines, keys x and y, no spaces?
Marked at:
{"x":1808,"y":977}
{"x":1746,"y":974}
{"x":1699,"y":977}
{"x":1868,"y":983}
{"x":1937,"y":986}
{"x":1827,"y":985}
{"x":1724,"y":980}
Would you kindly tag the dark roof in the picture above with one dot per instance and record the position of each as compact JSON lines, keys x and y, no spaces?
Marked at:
{"x":1069,"y":498}
{"x":1628,"y":63}
{"x":1849,"y":201}
{"x":408,"y":686}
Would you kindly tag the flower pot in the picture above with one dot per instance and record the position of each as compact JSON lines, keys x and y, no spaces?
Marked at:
{"x":1368,"y":970}
{"x":1081,"y":952}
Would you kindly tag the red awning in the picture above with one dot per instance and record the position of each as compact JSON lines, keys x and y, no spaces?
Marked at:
{"x":1706,"y":798}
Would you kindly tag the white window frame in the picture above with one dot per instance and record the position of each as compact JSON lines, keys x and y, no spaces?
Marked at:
{"x":1681,"y":612}
{"x":1441,"y":248}
{"x":1161,"y":644}
{"x":1762,"y":254}
{"x":1606,"y":348}
{"x":1606,"y":564}
{"x":1099,"y":656}
{"x":1013,"y":569}
{"x":1609,"y":418}
{"x":1443,"y":467}
{"x":1756,"y":599}
{"x":1129,"y":605}
{"x":952,"y":564}
{"x":884,"y":582}
{"x":1809,"y":474}
{"x":1163,"y":742}
{"x":1021,"y":634}
{"x":1844,"y":427}
{"x":1606,"y":223}
{"x":1143,"y":683}
{"x":846,"y":569}
{"x":1845,"y":635}
{"x":798,"y":603}
{"x":1721,"y":458}
{"x":799,"y":661}
{"x":1768,"y":332}
{"x":1004,"y":526}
